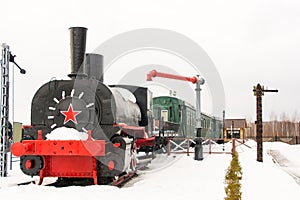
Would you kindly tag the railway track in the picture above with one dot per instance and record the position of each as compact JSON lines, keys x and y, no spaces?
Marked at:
{"x":279,"y":159}
{"x":122,"y":180}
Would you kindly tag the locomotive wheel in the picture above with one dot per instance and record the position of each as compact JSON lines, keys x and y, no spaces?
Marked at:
{"x":111,"y":165}
{"x":114,"y":163}
{"x":31,"y":165}
{"x":119,"y":142}
{"x":103,"y":174}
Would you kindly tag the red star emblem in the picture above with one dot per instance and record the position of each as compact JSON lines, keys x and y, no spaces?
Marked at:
{"x":70,"y":115}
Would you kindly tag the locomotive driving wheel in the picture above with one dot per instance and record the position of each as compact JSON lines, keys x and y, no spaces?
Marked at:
{"x":31,"y":165}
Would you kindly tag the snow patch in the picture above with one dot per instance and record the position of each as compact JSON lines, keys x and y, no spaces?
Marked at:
{"x":64,"y":133}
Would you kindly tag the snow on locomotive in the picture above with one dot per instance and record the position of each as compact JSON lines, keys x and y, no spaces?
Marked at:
{"x":115,"y":117}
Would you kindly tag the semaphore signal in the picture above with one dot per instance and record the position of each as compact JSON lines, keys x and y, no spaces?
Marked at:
{"x":259,"y":92}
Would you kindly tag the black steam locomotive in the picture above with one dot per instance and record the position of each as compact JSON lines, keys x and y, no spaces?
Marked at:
{"x":100,"y":107}
{"x":115,"y":115}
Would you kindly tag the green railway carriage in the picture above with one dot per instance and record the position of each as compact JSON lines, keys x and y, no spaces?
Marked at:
{"x":211,"y":126}
{"x":180,"y":117}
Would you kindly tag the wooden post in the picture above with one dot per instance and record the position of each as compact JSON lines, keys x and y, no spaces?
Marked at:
{"x":259,"y":124}
{"x":233,"y":146}
{"x":259,"y":92}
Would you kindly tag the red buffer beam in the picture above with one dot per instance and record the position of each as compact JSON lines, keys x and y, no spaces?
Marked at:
{"x":155,"y":73}
{"x":42,"y":147}
{"x":61,"y":158}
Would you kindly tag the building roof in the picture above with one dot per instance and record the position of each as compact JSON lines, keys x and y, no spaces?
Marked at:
{"x":236,"y":123}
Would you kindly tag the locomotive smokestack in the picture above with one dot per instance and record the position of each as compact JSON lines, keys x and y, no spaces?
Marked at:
{"x":77,"y":44}
{"x":94,"y":66}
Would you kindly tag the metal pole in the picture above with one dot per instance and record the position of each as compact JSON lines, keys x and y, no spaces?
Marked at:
{"x":169,"y":147}
{"x":223,"y":125}
{"x":200,"y":82}
{"x":209,"y":146}
{"x":298,"y":141}
{"x":198,"y":140}
{"x":188,"y":147}
{"x":12,"y":111}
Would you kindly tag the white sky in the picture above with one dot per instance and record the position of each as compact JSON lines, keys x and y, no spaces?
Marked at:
{"x":248,"y":41}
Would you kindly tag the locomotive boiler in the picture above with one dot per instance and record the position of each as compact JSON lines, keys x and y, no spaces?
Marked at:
{"x":115,"y":117}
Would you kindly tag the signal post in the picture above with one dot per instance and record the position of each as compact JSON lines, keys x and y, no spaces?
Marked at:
{"x":259,"y":92}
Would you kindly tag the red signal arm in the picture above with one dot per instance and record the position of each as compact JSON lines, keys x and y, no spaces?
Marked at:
{"x":155,"y":73}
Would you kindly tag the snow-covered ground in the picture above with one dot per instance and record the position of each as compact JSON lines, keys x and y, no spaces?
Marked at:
{"x":181,"y":177}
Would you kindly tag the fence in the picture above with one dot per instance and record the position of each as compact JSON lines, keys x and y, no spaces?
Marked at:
{"x":210,"y":145}
{"x":285,"y":139}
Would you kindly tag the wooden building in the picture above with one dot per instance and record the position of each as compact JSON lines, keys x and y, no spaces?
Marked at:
{"x":234,"y":128}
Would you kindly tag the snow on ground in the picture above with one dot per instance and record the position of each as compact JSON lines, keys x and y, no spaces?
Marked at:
{"x":181,"y":177}
{"x":286,"y":157}
{"x":267,"y":180}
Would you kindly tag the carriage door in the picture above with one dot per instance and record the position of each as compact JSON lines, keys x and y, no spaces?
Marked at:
{"x":164,"y":115}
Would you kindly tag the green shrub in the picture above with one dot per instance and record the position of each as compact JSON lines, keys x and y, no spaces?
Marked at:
{"x":232,"y":179}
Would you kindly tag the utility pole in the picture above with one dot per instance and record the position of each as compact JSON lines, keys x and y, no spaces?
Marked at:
{"x":259,"y":92}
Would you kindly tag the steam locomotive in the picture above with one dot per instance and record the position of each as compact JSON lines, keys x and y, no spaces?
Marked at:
{"x":115,"y":118}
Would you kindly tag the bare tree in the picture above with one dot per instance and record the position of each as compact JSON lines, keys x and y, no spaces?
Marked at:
{"x":273,"y":116}
{"x":283,"y":117}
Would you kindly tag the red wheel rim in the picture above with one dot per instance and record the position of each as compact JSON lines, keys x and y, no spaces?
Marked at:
{"x":28,"y":164}
{"x":111,"y":165}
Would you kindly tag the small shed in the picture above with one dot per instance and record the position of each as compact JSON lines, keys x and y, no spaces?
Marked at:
{"x":234,"y":128}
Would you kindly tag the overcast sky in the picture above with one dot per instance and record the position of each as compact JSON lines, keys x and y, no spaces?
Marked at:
{"x":249,"y":42}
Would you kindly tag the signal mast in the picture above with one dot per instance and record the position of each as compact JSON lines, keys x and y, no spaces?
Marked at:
{"x":4,"y":113}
